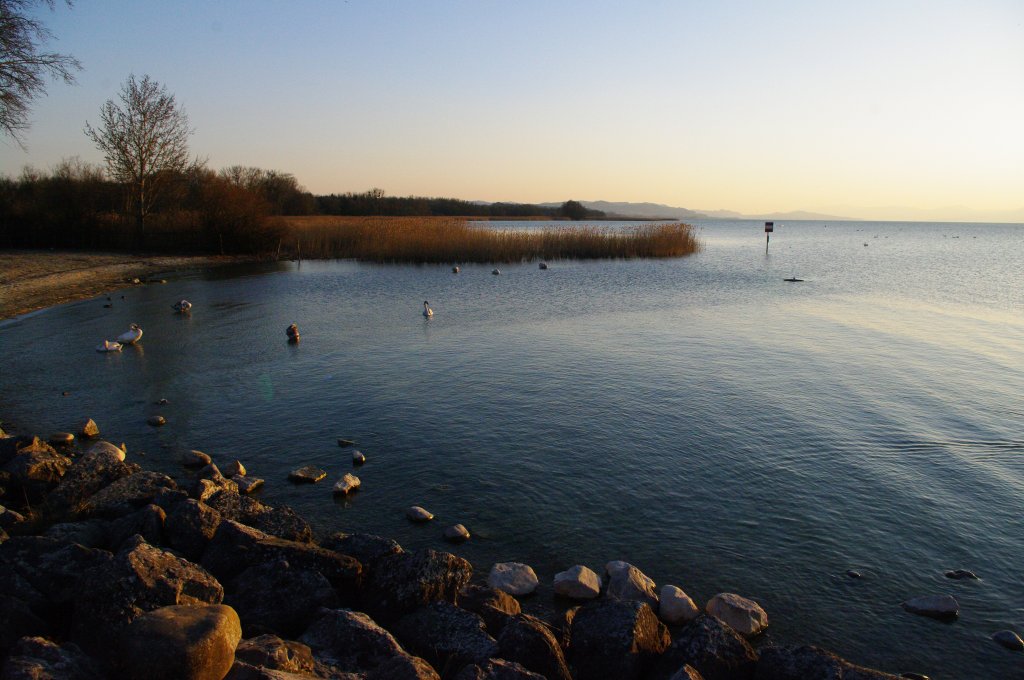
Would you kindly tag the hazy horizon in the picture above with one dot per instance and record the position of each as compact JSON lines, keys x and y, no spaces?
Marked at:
{"x":878,"y":110}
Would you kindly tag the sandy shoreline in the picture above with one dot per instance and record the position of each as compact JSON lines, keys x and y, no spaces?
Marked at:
{"x":34,"y":279}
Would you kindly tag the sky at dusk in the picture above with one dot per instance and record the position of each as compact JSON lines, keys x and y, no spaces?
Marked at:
{"x":874,"y":109}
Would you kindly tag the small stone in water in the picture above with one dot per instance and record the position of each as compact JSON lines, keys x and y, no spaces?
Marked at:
{"x":156,"y":421}
{"x":418,"y":514}
{"x":358,"y":458}
{"x":961,"y":574}
{"x":161,"y":402}
{"x":348,"y":483}
{"x":345,"y":442}
{"x":247,"y":485}
{"x":456,"y":533}
{"x":914,"y":676}
{"x":194,"y":459}
{"x":1008,"y":639}
{"x":307,"y":473}
{"x":234,"y":468}
{"x":60,"y":438}
{"x":852,"y":573}
{"x":65,"y":394}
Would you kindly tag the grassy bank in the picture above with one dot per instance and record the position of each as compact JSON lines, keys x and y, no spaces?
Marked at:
{"x":444,"y":240}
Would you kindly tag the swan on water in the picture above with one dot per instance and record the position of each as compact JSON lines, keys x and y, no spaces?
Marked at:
{"x":455,"y":270}
{"x":108,"y":346}
{"x":182,"y":305}
{"x":427,"y":311}
{"x":130,"y":336}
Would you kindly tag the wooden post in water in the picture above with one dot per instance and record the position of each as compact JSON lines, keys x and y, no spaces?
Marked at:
{"x":769,"y":227}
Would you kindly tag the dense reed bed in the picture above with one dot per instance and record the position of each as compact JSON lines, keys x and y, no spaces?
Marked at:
{"x":444,"y":240}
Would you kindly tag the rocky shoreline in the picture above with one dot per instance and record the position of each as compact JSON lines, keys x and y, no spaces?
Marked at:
{"x":113,"y":571}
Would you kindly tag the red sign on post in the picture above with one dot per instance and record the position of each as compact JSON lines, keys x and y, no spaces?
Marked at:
{"x":769,"y":227}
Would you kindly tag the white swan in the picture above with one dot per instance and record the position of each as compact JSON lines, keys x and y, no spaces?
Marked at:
{"x":182,"y":305}
{"x":427,"y":311}
{"x":108,"y":346}
{"x":130,"y":336}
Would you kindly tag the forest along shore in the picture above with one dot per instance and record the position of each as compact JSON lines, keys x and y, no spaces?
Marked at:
{"x":115,"y":571}
{"x":35,"y":279}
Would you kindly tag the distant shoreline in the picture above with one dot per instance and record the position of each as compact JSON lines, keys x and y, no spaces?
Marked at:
{"x":35,"y":279}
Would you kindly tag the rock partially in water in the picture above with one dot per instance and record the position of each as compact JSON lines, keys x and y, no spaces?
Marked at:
{"x":400,"y":583}
{"x":853,"y":573}
{"x":530,"y":642}
{"x":1009,"y":639}
{"x":446,"y":636}
{"x":629,"y":583}
{"x":456,"y":534}
{"x":959,"y":574}
{"x":156,"y":421}
{"x":943,"y":607}
{"x":62,"y":439}
{"x":89,"y":428}
{"x":234,"y":469}
{"x":804,"y":662}
{"x":195,"y":459}
{"x":107,"y":448}
{"x":710,"y":646}
{"x":181,"y":642}
{"x":345,"y":442}
{"x":675,"y":606}
{"x":307,"y":474}
{"x":740,"y":613}
{"x":494,"y":606}
{"x":247,"y":485}
{"x":418,"y":514}
{"x":347,"y":484}
{"x":515,"y":578}
{"x":358,"y":458}
{"x":577,"y":582}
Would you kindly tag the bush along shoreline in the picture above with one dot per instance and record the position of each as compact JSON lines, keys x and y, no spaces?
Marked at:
{"x":113,"y":571}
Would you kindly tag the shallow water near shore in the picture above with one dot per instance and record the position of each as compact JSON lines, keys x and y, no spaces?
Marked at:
{"x":718,"y":427}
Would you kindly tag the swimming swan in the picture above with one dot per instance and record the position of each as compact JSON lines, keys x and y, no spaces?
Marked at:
{"x":427,"y":311}
{"x":182,"y":305}
{"x":130,"y":336}
{"x":108,"y":346}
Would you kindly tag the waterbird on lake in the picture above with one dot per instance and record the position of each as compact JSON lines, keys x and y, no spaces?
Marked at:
{"x":455,"y":270}
{"x":130,"y":336}
{"x":108,"y":346}
{"x":292,"y":332}
{"x":543,"y":265}
{"x":495,"y":271}
{"x":793,"y":279}
{"x":182,"y":305}
{"x":427,"y":311}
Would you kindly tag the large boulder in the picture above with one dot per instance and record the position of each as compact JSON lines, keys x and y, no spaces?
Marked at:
{"x":190,"y":526}
{"x":446,"y":636}
{"x":629,"y":583}
{"x":810,"y":663}
{"x":126,"y":495}
{"x":89,"y":474}
{"x":147,"y":522}
{"x":46,"y":572}
{"x":497,"y":669}
{"x":91,"y":533}
{"x":36,"y":658}
{"x":236,"y":547}
{"x":943,"y":607}
{"x":713,"y":648}
{"x":515,"y":578}
{"x":279,"y":597}
{"x":578,"y":583}
{"x":367,"y":548}
{"x":739,"y":613}
{"x":675,"y":606}
{"x":181,"y":643}
{"x":270,"y":651}
{"x":404,"y":668}
{"x":280,"y":521}
{"x":615,"y":639}
{"x":494,"y":606}
{"x":402,"y":582}
{"x":350,"y":641}
{"x":530,"y":643}
{"x":34,"y":471}
{"x":16,"y":621}
{"x":139,"y":579}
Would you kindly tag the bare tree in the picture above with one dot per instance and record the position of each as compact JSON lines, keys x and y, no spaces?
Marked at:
{"x":144,"y":141}
{"x":23,"y":68}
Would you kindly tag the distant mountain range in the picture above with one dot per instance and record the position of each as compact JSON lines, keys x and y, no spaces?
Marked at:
{"x":658,"y":210}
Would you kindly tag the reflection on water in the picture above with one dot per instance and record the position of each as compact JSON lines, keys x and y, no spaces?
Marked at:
{"x":701,"y":418}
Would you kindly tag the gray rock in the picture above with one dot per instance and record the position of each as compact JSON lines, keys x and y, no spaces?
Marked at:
{"x":351,"y":641}
{"x":90,"y":533}
{"x":934,"y":606}
{"x":809,"y":663}
{"x":497,"y":669}
{"x":418,"y":514}
{"x":494,"y":606}
{"x":358,"y":458}
{"x":280,"y":521}
{"x":713,"y":648}
{"x":16,"y":621}
{"x":1008,"y":639}
{"x":307,"y":474}
{"x":530,"y":643}
{"x":247,"y":485}
{"x":156,"y":421}
{"x":345,"y":442}
{"x":270,"y":651}
{"x":347,"y":484}
{"x":89,"y":428}
{"x":279,"y":597}
{"x":236,"y":547}
{"x":367,"y":548}
{"x":629,"y":583}
{"x":577,"y":582}
{"x":35,"y":470}
{"x":446,"y":636}
{"x":44,"y":571}
{"x":139,"y":579}
{"x":126,"y":495}
{"x":515,"y":578}
{"x":147,"y":522}
{"x":91,"y":473}
{"x":402,"y":582}
{"x":181,"y":643}
{"x":741,"y":614}
{"x":404,"y":668}
{"x":36,"y":658}
{"x":190,"y":526}
{"x":959,"y":574}
{"x":456,"y":534}
{"x":615,"y":639}
{"x":195,"y":458}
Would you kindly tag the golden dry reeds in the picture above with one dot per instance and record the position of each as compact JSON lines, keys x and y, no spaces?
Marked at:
{"x":445,"y":240}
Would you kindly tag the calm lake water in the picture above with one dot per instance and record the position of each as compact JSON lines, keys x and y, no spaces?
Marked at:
{"x":699,"y":417}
